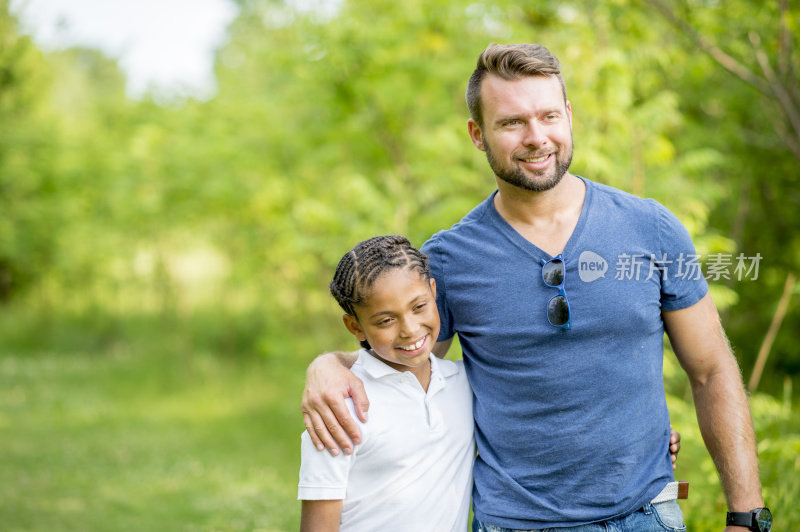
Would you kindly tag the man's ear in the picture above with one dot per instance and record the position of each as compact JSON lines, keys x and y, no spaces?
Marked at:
{"x":353,"y":326}
{"x":475,"y":134}
{"x":569,"y":113}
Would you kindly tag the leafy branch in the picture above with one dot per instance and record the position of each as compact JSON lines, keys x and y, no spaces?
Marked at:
{"x":781,"y":87}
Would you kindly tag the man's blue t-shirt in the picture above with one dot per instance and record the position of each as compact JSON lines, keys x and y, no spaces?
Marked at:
{"x":571,"y":425}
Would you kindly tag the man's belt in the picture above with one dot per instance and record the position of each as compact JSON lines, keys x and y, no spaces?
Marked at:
{"x":672,"y":491}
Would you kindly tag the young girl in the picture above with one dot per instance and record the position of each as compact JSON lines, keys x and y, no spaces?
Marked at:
{"x":413,"y":467}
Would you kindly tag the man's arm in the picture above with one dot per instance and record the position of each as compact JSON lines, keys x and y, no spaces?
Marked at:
{"x":440,"y":348}
{"x":329,"y":382}
{"x":320,"y":516}
{"x":723,"y":413}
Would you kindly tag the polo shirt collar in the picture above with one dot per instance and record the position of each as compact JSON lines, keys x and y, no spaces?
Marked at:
{"x":377,"y":369}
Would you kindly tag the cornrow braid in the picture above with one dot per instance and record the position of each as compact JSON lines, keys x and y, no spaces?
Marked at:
{"x":360,"y":267}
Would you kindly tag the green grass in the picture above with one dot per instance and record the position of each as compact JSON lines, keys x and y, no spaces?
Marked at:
{"x":187,"y":428}
{"x":148,"y":442}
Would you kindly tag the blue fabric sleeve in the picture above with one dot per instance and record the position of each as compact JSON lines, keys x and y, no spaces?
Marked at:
{"x":683,"y":283}
{"x":436,"y":263}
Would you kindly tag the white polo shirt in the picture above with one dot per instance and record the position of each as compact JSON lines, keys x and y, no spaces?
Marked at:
{"x":413,"y":469}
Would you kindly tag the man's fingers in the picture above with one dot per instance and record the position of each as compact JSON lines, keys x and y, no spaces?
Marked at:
{"x":674,"y":445}
{"x":343,"y":427}
{"x":360,"y":401}
{"x":674,"y":441}
{"x":311,"y":432}
{"x":334,"y":436}
{"x":319,"y":433}
{"x":314,"y":425}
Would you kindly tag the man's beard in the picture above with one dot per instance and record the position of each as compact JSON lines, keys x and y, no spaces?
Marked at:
{"x":516,"y":175}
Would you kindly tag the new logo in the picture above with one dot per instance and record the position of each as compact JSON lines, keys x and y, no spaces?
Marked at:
{"x":591,"y":266}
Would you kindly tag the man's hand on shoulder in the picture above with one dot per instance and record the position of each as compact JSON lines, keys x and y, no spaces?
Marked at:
{"x":329,"y":382}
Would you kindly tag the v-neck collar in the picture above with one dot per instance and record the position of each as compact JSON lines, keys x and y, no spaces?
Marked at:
{"x":529,"y":247}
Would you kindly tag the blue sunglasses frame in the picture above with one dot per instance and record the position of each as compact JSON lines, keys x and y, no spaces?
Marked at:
{"x":554,"y":302}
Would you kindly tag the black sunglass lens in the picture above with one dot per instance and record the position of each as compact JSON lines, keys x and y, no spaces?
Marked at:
{"x":553,"y":273}
{"x":558,"y":310}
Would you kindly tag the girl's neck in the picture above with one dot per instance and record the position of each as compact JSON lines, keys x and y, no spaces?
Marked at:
{"x":421,"y":372}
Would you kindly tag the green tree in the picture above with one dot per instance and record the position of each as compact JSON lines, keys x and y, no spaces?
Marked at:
{"x":27,"y":199}
{"x":743,"y":87}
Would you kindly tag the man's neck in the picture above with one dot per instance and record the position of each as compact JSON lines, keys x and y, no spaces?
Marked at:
{"x":547,"y":218}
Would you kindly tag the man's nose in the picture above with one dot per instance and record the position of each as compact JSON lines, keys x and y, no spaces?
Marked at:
{"x":534,"y":134}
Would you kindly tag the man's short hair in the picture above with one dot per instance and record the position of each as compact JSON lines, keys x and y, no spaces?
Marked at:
{"x":510,"y":62}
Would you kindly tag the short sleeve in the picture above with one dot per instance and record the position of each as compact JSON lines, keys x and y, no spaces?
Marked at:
{"x":323,"y":476}
{"x":432,"y":249}
{"x":683,"y":283}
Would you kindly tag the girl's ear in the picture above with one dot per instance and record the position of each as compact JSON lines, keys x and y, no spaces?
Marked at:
{"x":433,"y":287}
{"x":352,"y":325}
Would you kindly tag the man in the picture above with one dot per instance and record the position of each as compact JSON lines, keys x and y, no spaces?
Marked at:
{"x":564,"y":358}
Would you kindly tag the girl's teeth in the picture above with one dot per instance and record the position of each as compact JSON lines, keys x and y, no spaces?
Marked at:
{"x":413,"y":346}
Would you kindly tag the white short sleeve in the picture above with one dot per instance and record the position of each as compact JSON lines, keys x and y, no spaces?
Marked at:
{"x":323,"y":476}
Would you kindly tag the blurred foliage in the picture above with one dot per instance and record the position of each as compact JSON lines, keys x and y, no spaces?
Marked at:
{"x":152,"y":437}
{"x":326,"y":130}
{"x":777,"y":427}
{"x":219,"y":222}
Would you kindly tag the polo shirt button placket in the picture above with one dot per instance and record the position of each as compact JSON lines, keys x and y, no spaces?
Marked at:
{"x":434,"y":417}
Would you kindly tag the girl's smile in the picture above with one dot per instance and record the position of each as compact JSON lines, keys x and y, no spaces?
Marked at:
{"x":416,"y":346}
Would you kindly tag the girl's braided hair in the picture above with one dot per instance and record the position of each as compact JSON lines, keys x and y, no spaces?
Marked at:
{"x":361,"y":266}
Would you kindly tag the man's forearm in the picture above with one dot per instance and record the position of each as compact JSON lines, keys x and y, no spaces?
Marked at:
{"x":347,"y":358}
{"x":723,"y":415}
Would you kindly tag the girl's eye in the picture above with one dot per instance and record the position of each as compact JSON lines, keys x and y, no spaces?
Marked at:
{"x":420,"y":306}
